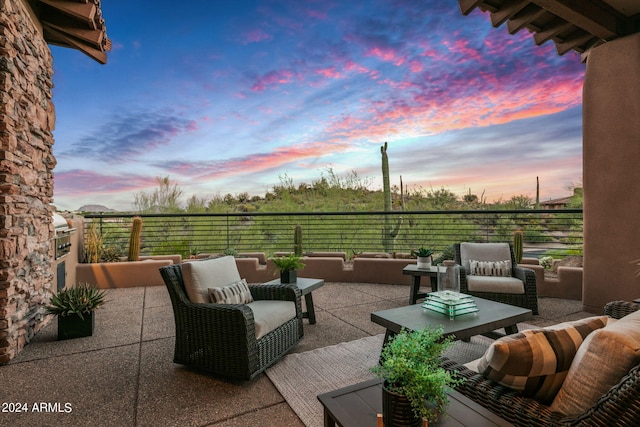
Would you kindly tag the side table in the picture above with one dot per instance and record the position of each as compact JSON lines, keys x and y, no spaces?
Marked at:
{"x":306,"y":286}
{"x":416,"y":273}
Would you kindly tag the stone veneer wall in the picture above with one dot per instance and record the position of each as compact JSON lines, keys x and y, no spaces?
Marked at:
{"x":26,"y":176}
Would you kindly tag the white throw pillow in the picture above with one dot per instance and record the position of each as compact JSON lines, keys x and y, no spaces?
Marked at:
{"x":490,"y":268}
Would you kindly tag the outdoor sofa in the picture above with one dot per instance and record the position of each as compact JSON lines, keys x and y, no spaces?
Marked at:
{"x":619,"y":405}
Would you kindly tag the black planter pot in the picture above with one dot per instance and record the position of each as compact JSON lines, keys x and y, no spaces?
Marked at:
{"x":397,"y":411}
{"x":289,"y":276}
{"x":72,"y":326}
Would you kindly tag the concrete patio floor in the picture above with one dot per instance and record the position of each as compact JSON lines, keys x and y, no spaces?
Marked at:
{"x":124,"y":375}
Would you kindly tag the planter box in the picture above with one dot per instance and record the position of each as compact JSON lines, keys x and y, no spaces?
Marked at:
{"x":72,"y":326}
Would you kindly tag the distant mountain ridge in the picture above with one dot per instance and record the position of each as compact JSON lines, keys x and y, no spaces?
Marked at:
{"x":95,"y":208}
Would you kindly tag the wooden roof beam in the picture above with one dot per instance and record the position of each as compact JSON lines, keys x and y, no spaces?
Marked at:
{"x":524,"y":18}
{"x":68,"y":41}
{"x":84,"y":12}
{"x":574,"y":42}
{"x":467,"y":6}
{"x":593,"y":16}
{"x":551,"y":31}
{"x":507,"y":11}
{"x":95,"y":37}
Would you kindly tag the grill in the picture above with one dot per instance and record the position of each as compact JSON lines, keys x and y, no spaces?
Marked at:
{"x":62,"y":237}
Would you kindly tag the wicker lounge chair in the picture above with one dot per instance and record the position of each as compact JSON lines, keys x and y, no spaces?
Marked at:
{"x":620,"y":406}
{"x":221,"y":338}
{"x":527,"y":299}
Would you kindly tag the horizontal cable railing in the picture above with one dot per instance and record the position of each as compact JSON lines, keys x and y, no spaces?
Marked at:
{"x":544,"y":231}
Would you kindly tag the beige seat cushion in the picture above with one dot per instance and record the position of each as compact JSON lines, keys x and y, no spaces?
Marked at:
{"x":536,"y":361}
{"x":268,"y":315}
{"x":502,"y":285}
{"x":600,"y":363}
{"x":199,"y":276}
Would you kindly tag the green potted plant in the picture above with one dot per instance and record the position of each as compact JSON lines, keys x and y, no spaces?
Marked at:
{"x":75,"y":310}
{"x":415,"y":385}
{"x":287,"y":266}
{"x":424,"y":256}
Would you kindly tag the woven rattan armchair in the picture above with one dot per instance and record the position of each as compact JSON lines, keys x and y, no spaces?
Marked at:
{"x":529,"y":299}
{"x":220,"y":338}
{"x":620,"y":406}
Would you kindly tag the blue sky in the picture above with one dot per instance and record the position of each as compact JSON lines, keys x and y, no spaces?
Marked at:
{"x":227,"y":97}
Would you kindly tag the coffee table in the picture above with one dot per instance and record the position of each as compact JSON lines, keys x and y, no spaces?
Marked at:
{"x":360,"y":404}
{"x":306,"y":286}
{"x":491,"y":315}
{"x":416,"y":273}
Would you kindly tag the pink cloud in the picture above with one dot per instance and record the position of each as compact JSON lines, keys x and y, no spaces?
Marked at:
{"x":386,"y":54}
{"x":272,"y":78}
{"x":415,"y":66}
{"x":254,"y":36}
{"x":317,"y":14}
{"x":281,"y":156}
{"x":462,"y":46}
{"x":330,"y":72}
{"x":83,"y":183}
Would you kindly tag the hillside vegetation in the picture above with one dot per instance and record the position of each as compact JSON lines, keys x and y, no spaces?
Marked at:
{"x":330,"y":193}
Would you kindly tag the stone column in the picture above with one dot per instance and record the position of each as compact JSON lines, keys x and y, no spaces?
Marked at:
{"x":26,"y":176}
{"x":611,"y":173}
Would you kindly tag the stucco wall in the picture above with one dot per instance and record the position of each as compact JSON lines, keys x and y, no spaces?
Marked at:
{"x":26,"y":177}
{"x":611,"y":175}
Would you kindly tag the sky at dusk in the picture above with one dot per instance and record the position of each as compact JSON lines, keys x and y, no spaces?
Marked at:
{"x":228,"y":97}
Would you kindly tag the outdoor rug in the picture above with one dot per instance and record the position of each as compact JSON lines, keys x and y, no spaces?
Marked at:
{"x":301,"y":377}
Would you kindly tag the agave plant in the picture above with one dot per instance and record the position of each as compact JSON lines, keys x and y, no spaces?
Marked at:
{"x":78,"y":300}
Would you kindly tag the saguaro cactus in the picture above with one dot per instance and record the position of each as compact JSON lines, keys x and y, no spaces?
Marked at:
{"x":518,"y":245}
{"x":389,"y":232}
{"x":134,"y":239}
{"x":297,"y":240}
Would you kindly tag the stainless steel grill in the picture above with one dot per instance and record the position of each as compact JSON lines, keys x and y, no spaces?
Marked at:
{"x":62,"y":239}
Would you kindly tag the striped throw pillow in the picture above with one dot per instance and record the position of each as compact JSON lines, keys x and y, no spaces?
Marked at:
{"x":536,"y":361}
{"x":235,"y":293}
{"x":490,"y":268}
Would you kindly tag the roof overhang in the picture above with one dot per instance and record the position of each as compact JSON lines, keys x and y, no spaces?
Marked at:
{"x":578,"y":25}
{"x":77,"y":24}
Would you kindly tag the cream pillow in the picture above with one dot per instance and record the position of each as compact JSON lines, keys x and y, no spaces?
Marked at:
{"x":199,"y":276}
{"x":600,"y":363}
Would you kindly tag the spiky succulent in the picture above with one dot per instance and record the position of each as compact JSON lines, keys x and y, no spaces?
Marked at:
{"x":79,"y":300}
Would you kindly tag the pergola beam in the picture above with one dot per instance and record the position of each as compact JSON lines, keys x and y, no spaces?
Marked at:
{"x":593,"y":16}
{"x":84,"y":12}
{"x":524,"y":18}
{"x":551,"y":31}
{"x":507,"y":11}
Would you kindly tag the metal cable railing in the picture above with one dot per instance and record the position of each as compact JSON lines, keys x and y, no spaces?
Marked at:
{"x":350,"y":232}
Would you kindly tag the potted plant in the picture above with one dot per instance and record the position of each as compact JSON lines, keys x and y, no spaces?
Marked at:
{"x":424,"y":256}
{"x":287,"y":266}
{"x":75,"y":310}
{"x":415,"y":385}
